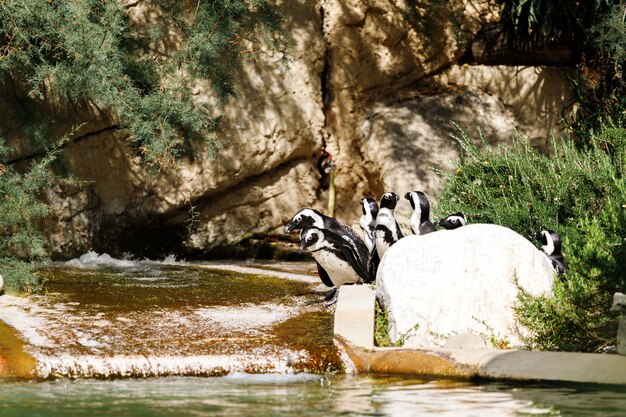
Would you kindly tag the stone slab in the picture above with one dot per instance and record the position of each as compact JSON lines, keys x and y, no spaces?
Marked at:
{"x":511,"y":365}
{"x":354,"y":316}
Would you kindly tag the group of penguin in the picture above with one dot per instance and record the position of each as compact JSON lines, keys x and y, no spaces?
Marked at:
{"x":343,"y":257}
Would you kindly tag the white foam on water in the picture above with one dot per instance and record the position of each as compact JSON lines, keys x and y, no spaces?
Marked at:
{"x":141,"y":366}
{"x":93,"y":259}
{"x":21,"y":314}
{"x":260,"y":271}
{"x":348,"y":365}
{"x":246,"y":317}
{"x":169,"y":260}
{"x":272,"y":379}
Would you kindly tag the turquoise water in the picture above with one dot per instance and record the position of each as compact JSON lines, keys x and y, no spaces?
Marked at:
{"x":302,"y":396}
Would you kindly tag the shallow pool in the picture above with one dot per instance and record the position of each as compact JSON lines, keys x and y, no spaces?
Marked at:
{"x":302,"y":395}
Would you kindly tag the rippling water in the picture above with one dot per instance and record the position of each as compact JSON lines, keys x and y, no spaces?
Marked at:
{"x":102,"y":317}
{"x":301,"y":395}
{"x":266,"y":340}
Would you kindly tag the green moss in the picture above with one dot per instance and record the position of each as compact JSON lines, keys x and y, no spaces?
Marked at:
{"x":381,"y":327}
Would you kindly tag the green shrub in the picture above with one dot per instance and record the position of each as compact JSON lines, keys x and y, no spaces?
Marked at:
{"x":57,"y":54}
{"x":600,"y":85}
{"x":79,"y":51}
{"x":381,"y":326}
{"x":21,"y":242}
{"x":581,"y":194}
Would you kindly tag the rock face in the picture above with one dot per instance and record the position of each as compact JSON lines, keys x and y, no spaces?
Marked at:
{"x":375,"y":82}
{"x":458,"y":282}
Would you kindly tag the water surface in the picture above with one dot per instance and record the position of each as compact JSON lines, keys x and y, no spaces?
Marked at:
{"x":302,"y":395}
{"x":102,"y":317}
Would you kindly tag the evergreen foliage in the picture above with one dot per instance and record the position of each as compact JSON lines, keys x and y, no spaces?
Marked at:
{"x":86,"y":51}
{"x":91,"y":51}
{"x":579,"y":193}
{"x":600,"y":87}
{"x":596,"y":29}
{"x":536,"y":20}
{"x":21,"y":242}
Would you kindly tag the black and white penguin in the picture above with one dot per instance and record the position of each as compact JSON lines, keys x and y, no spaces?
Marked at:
{"x":551,"y":242}
{"x":453,"y":221}
{"x":420,"y":222}
{"x":336,"y":257}
{"x":308,"y":217}
{"x":368,"y":225}
{"x":368,"y":222}
{"x":388,"y":230}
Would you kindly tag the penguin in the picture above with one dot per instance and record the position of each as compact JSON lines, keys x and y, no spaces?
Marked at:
{"x":368,"y":225}
{"x":420,"y":222}
{"x":551,"y":242}
{"x":308,"y":217}
{"x":388,"y":230}
{"x":336,"y":256}
{"x":453,"y":221}
{"x":368,"y":222}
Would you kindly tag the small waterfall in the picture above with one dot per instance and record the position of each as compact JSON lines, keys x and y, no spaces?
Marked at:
{"x":104,"y":317}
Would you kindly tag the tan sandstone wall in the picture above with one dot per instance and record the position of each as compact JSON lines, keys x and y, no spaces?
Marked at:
{"x":374,"y":85}
{"x":395,"y":86}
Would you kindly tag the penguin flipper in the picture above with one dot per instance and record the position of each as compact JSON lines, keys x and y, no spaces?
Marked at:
{"x":373,"y":266}
{"x":355,"y":262}
{"x":559,"y":265}
{"x":400,"y":234}
{"x":324,"y":276}
{"x":427,"y":227}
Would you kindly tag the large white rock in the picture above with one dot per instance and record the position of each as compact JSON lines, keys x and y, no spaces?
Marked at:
{"x":461,"y":281}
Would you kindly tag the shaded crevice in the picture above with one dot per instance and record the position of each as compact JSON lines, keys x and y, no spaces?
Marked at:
{"x":80,"y":138}
{"x":327,"y":96}
{"x":206,"y":199}
{"x":166,"y":233}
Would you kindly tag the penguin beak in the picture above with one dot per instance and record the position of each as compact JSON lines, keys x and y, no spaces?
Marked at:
{"x":288,"y":227}
{"x":303,"y":244}
{"x":407,"y":196}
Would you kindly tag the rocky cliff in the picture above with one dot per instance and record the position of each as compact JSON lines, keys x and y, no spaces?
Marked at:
{"x":374,"y":82}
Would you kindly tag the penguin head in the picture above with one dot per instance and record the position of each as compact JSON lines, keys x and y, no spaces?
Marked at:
{"x":369,"y":207}
{"x":453,"y":221}
{"x":419,"y":199}
{"x":551,"y":242}
{"x":409,"y":196}
{"x":310,"y":237}
{"x":389,"y":200}
{"x":304,"y":218}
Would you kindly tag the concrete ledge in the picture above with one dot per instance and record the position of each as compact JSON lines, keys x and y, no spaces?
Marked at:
{"x":509,"y":365}
{"x":354,"y":315}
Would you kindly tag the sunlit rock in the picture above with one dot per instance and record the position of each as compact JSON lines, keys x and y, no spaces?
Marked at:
{"x":1,"y":283}
{"x":363,"y":80}
{"x":460,"y":281}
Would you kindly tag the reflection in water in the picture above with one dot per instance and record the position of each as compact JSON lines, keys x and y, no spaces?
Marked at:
{"x":302,"y":395}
